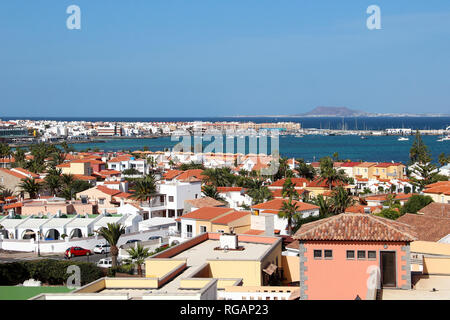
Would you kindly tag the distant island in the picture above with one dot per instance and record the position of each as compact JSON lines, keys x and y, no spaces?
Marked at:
{"x":322,"y":111}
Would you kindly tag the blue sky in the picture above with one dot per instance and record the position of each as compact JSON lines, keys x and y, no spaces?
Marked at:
{"x":222,"y":58}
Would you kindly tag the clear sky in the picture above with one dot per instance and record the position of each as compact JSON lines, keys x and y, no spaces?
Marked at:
{"x":222,"y":57}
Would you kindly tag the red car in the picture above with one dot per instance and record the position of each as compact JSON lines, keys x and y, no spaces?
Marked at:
{"x":77,"y":251}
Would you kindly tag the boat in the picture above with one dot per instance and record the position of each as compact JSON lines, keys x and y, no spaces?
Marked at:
{"x":403,"y":139}
{"x":363,"y":137}
{"x":447,"y":138}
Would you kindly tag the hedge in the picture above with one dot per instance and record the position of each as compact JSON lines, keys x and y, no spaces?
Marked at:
{"x":48,"y":271}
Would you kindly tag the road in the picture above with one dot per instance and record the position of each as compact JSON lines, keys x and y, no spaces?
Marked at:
{"x":8,"y":256}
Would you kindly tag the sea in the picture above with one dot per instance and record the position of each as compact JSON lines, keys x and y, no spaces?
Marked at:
{"x":309,"y":147}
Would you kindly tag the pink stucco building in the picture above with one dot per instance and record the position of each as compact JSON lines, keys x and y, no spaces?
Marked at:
{"x":349,"y":256}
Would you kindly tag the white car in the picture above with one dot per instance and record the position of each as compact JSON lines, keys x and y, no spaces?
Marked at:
{"x":104,"y":263}
{"x":102,"y":248}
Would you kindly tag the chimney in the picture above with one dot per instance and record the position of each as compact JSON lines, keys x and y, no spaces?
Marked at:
{"x":228,"y":241}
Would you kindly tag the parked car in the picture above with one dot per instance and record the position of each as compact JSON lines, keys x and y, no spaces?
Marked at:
{"x":132,"y":241}
{"x":155,"y":238}
{"x":102,"y":248}
{"x":77,"y":251}
{"x":104,"y":263}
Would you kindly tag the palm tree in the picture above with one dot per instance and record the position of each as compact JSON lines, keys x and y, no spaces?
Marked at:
{"x":30,"y":186}
{"x":67,"y":179}
{"x":112,"y":234}
{"x":306,"y":171}
{"x":259,"y":193}
{"x":324,"y":206}
{"x":5,"y":150}
{"x":52,"y":183}
{"x":341,"y":200}
{"x":19,"y":158}
{"x":211,"y":191}
{"x":329,"y":174}
{"x":138,"y":256}
{"x":289,"y":211}
{"x":145,"y":189}
{"x":289,"y":190}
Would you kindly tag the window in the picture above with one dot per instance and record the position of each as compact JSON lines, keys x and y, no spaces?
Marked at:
{"x":101,"y":201}
{"x":170,"y":198}
{"x":372,"y":254}
{"x":328,"y":254}
{"x":220,"y":231}
{"x":202,"y":229}
{"x":361,"y":254}
{"x":317,"y":254}
{"x":161,"y":199}
{"x":350,"y":254}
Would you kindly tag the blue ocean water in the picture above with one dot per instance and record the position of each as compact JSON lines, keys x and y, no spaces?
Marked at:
{"x":310,"y":147}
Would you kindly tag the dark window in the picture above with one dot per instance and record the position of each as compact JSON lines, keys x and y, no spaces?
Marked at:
{"x":317,"y":254}
{"x":361,"y":254}
{"x":372,"y":254}
{"x":170,"y":198}
{"x":328,"y":254}
{"x":350,"y":254}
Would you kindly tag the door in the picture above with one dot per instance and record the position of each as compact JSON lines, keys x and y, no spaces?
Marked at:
{"x":388,"y":269}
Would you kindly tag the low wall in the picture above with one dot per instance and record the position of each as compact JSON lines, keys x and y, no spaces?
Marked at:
{"x":59,"y":246}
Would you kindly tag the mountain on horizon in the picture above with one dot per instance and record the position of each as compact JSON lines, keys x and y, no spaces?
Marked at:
{"x":333,"y":112}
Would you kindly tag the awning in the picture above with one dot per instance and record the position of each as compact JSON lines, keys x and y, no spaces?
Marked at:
{"x":270,"y":269}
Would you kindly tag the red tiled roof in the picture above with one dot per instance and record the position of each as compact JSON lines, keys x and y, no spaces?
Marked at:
{"x":26,"y":172}
{"x":319,"y":183}
{"x":13,"y":205}
{"x":277,"y":204}
{"x":383,"y":197}
{"x":356,"y":227}
{"x":108,"y":191}
{"x":254,"y":232}
{"x":229,"y":189}
{"x":437,"y":210}
{"x":170,"y":174}
{"x":298,"y":182}
{"x":233,"y":216}
{"x":12,"y":173}
{"x":206,"y":213}
{"x":428,"y":228}
{"x":204,"y":202}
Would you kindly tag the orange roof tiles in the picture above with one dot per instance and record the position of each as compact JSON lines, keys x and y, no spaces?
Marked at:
{"x":277,"y":204}
{"x":356,"y":227}
{"x":108,"y":191}
{"x":204,"y":202}
{"x":233,"y":216}
{"x":206,"y":213}
{"x":298,"y":182}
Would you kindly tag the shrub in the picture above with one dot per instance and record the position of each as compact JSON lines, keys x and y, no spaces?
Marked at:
{"x":52,"y":272}
{"x":415,"y":203}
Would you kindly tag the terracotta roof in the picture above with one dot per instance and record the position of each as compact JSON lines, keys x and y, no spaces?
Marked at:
{"x":356,"y":227}
{"x":298,"y":182}
{"x":229,"y":189}
{"x":125,"y":195}
{"x":12,"y":173}
{"x":254,"y":232}
{"x":204,"y":202}
{"x":319,"y":183}
{"x":26,"y":172}
{"x":388,"y":164}
{"x":13,"y":205}
{"x":383,"y":197}
{"x":108,"y":191}
{"x":120,"y":158}
{"x":206,"y":213}
{"x":83,"y":177}
{"x":441,"y":189}
{"x":358,"y":208}
{"x":428,"y":228}
{"x":277,"y":204}
{"x":278,"y":193}
{"x":437,"y":210}
{"x":231,"y":217}
{"x":193,"y":173}
{"x":169,"y":175}
{"x":294,"y":245}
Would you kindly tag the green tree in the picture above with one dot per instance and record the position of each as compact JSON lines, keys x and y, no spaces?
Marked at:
{"x":306,"y":171}
{"x":419,"y":152}
{"x":211,"y":191}
{"x":330,"y":175}
{"x":324,"y":205}
{"x":30,"y":186}
{"x":392,"y":214}
{"x":415,"y":203}
{"x":145,"y":189}
{"x":443,"y":159}
{"x":52,"y":183}
{"x":289,"y":211}
{"x":288,"y":190}
{"x":259,"y":193}
{"x":112,"y":234}
{"x":341,"y":200}
{"x":138,"y":256}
